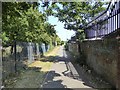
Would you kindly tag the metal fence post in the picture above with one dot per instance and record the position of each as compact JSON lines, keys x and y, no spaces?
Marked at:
{"x":15,"y":50}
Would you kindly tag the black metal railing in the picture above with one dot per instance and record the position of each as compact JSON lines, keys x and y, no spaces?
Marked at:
{"x":106,"y":23}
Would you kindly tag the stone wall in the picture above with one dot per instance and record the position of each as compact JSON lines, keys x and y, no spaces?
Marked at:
{"x":103,"y":57}
{"x":73,"y":48}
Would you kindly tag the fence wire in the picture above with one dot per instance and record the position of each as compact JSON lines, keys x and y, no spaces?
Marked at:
{"x":15,"y":60}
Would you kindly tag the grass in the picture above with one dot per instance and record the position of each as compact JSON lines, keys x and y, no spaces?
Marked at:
{"x":52,"y":52}
{"x":28,"y":79}
{"x":45,"y":66}
{"x":34,"y":74}
{"x":32,"y":77}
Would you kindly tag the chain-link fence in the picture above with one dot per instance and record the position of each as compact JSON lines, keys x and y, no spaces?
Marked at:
{"x":15,"y":58}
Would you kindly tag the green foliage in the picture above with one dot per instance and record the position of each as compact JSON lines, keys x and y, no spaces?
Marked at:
{"x":62,"y":42}
{"x":13,"y":20}
{"x":4,"y":38}
{"x":58,"y":40}
{"x":66,"y":46}
{"x":23,"y":22}
{"x":80,"y":35}
{"x":74,"y":14}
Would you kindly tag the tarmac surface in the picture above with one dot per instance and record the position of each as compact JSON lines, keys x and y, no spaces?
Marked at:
{"x":62,"y":73}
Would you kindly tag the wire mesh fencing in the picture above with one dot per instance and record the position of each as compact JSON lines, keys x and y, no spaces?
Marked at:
{"x":15,"y":58}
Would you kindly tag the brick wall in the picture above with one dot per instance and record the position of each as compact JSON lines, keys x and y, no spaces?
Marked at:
{"x":103,"y":57}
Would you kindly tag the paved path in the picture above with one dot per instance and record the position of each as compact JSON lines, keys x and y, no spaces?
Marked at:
{"x":60,"y":76}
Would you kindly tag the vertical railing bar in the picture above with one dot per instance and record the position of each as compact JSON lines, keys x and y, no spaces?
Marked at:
{"x":117,"y":14}
{"x":114,"y":19}
{"x":118,"y":11}
{"x":112,"y":22}
{"x":108,"y":24}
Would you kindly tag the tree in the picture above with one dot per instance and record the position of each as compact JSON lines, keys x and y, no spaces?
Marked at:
{"x":13,"y":22}
{"x":58,"y":40}
{"x":62,"y":42}
{"x":74,"y":14}
{"x":23,"y":22}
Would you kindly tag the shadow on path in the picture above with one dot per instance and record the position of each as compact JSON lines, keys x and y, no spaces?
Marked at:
{"x":51,"y":83}
{"x":66,"y":58}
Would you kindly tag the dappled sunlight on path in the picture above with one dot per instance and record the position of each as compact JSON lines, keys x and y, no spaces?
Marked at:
{"x":45,"y":66}
{"x":44,"y":62}
{"x":53,"y":52}
{"x":56,"y":77}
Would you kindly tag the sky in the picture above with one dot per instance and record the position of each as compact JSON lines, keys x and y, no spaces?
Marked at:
{"x":64,"y":34}
{"x":61,"y":32}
